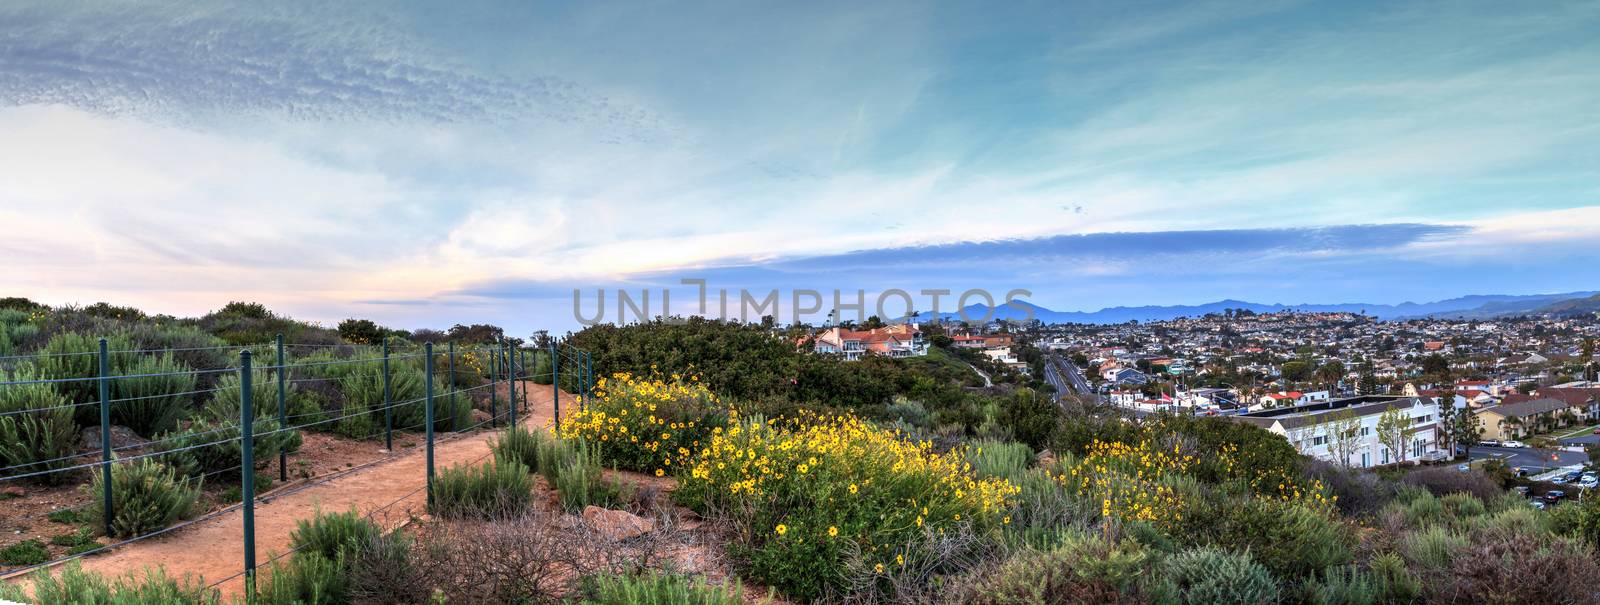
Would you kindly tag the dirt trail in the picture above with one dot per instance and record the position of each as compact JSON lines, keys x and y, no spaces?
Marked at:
{"x":213,"y":549}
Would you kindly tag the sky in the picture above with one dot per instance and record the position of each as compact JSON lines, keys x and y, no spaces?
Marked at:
{"x":468,"y":162}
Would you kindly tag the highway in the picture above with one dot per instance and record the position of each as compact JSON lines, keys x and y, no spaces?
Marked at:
{"x":1065,"y":377}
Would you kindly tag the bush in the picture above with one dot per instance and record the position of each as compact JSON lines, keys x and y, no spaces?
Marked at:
{"x":26,"y":552}
{"x":74,"y":586}
{"x":1343,"y":586}
{"x":1293,"y":540}
{"x":579,"y":480}
{"x":520,"y":445}
{"x":224,"y":404}
{"x":999,"y":459}
{"x":308,"y":578}
{"x":145,"y":496}
{"x":494,"y":489}
{"x":332,"y":534}
{"x":383,"y":571}
{"x":657,"y":589}
{"x":1396,"y":582}
{"x":1445,"y":480}
{"x":1506,"y":567}
{"x":356,"y":422}
{"x":1208,"y":576}
{"x":73,"y":355}
{"x":218,"y":446}
{"x":1432,"y":548}
{"x":644,"y":425}
{"x":1031,"y":417}
{"x":1082,"y":569}
{"x":806,"y":492}
{"x":151,"y":405}
{"x":38,"y":441}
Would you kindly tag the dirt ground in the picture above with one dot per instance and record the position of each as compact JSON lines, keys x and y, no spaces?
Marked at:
{"x":213,"y":549}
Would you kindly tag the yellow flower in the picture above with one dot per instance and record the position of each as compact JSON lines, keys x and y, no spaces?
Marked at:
{"x":832,"y":531}
{"x":878,"y":568}
{"x":660,"y":472}
{"x":781,"y":529}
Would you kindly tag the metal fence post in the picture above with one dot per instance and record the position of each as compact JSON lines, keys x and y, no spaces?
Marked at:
{"x":428,"y":414}
{"x":283,"y":418}
{"x":511,"y":372}
{"x":388,"y":410}
{"x":105,"y":435}
{"x":450,"y":370}
{"x":555,"y":378}
{"x":247,"y":468}
{"x":522,"y":359}
{"x":494,"y":395}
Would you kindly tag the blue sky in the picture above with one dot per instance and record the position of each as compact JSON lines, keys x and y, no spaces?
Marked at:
{"x":474,"y":161}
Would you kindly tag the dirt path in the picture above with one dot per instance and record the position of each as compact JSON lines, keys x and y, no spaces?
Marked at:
{"x":213,"y":549}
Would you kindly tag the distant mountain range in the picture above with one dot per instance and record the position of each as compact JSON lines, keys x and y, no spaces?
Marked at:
{"x":1467,"y":307}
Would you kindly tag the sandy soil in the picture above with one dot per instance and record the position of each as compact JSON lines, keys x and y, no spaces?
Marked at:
{"x":213,"y":549}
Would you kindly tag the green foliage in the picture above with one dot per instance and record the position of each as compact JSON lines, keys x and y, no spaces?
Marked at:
{"x":519,"y":445}
{"x":224,"y":404}
{"x":1001,"y":459}
{"x":26,"y":552}
{"x":151,"y":405}
{"x":493,"y":489}
{"x":1081,"y":569}
{"x":243,"y":323}
{"x":79,"y":537}
{"x":1343,"y":586}
{"x":657,"y":589}
{"x":1031,"y":417}
{"x":74,"y":586}
{"x":66,"y":516}
{"x":1395,"y":581}
{"x":579,"y":479}
{"x":331,"y":534}
{"x":308,"y":578}
{"x":1293,"y":540}
{"x":208,"y":446}
{"x":35,"y":441}
{"x":1432,"y":548}
{"x":145,"y":496}
{"x":356,"y":421}
{"x":1210,"y":576}
{"x":74,"y":355}
{"x":361,"y":331}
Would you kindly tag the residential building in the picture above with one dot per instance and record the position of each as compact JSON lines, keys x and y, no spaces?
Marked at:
{"x":1308,"y":428}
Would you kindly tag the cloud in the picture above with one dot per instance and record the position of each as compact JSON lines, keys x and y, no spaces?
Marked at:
{"x":202,"y":63}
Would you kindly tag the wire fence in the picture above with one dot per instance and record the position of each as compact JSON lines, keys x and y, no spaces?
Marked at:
{"x":237,"y":421}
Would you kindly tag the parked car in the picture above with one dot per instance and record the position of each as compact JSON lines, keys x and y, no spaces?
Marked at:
{"x":1539,"y":504}
{"x":1521,"y":490}
{"x":1588,"y":482}
{"x":1513,"y":444}
{"x":1554,"y":496}
{"x":1489,"y":443}
{"x":1560,"y":480}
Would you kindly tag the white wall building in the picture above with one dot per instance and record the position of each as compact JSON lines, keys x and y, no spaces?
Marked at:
{"x":1308,"y":428}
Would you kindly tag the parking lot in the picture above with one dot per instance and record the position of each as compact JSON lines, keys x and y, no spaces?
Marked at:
{"x":1530,"y":460}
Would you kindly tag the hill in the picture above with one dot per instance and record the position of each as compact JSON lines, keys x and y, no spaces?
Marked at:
{"x":1473,"y":306}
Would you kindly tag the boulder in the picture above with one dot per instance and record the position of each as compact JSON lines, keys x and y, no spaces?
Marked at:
{"x":122,"y":439}
{"x":617,"y":524}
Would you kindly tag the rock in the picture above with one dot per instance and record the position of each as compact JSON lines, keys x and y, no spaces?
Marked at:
{"x":1047,"y":459}
{"x":122,"y":438}
{"x":479,"y":416}
{"x":617,"y":524}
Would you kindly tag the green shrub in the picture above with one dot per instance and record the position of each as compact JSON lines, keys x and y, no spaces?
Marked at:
{"x":999,"y":459}
{"x":74,"y":538}
{"x":1432,"y":548}
{"x":223,"y":406}
{"x":66,"y":515}
{"x":641,"y":425}
{"x":330,"y":534}
{"x":1291,"y":539}
{"x":580,"y":481}
{"x":492,"y":489}
{"x":1343,"y":586}
{"x":1081,"y":569}
{"x":1210,"y":576}
{"x":911,"y":412}
{"x":218,"y":446}
{"x":1423,"y":510}
{"x":35,"y":442}
{"x":145,"y":496}
{"x":1462,"y":505}
{"x":657,"y":589}
{"x":520,"y":445}
{"x":1030,"y":417}
{"x":26,"y":552}
{"x":151,"y":405}
{"x":307,"y":578}
{"x":74,"y":586}
{"x":74,"y":355}
{"x":1394,"y":579}
{"x":356,"y":422}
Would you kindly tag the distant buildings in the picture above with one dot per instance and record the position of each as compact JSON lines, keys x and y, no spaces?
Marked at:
{"x":1311,"y":428}
{"x":899,"y":340}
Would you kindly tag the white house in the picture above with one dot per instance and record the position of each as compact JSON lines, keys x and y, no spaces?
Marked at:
{"x":1308,"y":428}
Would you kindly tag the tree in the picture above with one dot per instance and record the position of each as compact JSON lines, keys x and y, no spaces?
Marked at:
{"x":1394,"y":432}
{"x":1030,"y":417}
{"x":1329,"y":373}
{"x":1343,"y":429}
{"x":360,"y":331}
{"x":1466,"y":431}
{"x":1447,"y":418}
{"x":1296,"y":370}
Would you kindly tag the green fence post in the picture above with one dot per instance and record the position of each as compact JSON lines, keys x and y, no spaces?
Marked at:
{"x":428,"y":414}
{"x":388,"y":410}
{"x":511,"y":371}
{"x":522,"y":359}
{"x":588,"y":376}
{"x":450,"y":371}
{"x":494,"y":395}
{"x":555,"y":378}
{"x":105,"y":435}
{"x":283,"y":418}
{"x":247,"y":469}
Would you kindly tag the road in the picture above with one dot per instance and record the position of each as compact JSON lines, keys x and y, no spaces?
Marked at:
{"x":1528,"y":459}
{"x":1065,"y":377}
